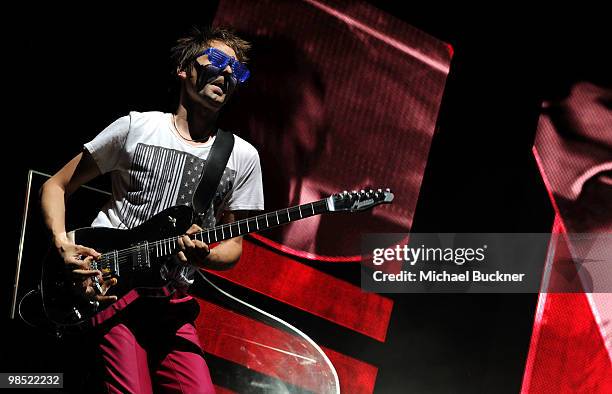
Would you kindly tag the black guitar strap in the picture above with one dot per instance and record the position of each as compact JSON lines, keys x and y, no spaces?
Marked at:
{"x":212,"y":171}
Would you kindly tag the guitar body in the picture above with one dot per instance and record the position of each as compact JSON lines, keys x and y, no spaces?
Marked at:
{"x":139,"y":274}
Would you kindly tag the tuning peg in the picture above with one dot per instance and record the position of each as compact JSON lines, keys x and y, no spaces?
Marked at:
{"x":362,"y":191}
{"x":379,"y":190}
{"x":354,"y":192}
{"x":345,"y":192}
{"x":388,"y":190}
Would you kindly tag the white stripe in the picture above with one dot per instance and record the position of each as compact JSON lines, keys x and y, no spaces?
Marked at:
{"x":381,"y":36}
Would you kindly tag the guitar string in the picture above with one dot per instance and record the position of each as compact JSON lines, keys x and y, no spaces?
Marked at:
{"x":220,"y":228}
{"x":125,"y":253}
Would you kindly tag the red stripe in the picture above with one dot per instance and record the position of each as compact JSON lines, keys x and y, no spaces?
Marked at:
{"x":284,"y":279}
{"x":355,"y":376}
{"x":223,"y":390}
{"x":305,"y":255}
{"x":569,"y":355}
{"x":276,"y":353}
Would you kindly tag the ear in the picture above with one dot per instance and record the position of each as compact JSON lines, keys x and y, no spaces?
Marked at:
{"x":181,"y":74}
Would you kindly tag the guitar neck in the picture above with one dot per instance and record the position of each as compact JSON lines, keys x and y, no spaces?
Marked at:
{"x":169,"y":246}
{"x":263,"y":222}
{"x":140,"y":255}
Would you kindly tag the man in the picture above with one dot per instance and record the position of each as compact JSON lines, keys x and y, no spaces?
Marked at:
{"x":155,"y":160}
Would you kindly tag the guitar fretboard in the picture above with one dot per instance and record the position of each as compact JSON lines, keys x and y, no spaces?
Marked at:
{"x":261,"y":222}
{"x":140,"y":255}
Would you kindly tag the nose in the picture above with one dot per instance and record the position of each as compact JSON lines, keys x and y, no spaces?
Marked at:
{"x":228,"y":69}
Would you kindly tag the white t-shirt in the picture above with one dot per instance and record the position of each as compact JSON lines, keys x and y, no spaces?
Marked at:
{"x":153,"y":168}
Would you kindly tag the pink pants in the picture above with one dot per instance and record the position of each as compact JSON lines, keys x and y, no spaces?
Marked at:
{"x":146,"y":355}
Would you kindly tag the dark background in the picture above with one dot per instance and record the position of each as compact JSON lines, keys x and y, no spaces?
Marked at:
{"x":76,"y":70}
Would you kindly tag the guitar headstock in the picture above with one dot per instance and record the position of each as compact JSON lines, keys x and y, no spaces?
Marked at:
{"x":359,"y":200}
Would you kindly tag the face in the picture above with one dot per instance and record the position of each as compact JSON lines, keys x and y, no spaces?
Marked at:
{"x":215,"y":90}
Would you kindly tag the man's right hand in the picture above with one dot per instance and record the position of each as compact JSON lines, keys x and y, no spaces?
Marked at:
{"x":78,"y":259}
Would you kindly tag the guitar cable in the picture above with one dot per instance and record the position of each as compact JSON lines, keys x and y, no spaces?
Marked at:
{"x":19,"y":310}
{"x":281,"y":322}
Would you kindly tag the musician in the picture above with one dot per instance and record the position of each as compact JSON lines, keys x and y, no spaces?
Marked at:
{"x":155,"y":160}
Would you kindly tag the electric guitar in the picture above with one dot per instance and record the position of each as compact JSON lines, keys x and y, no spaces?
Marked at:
{"x":138,"y":256}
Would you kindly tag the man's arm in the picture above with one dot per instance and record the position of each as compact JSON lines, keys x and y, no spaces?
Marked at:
{"x":53,"y":194}
{"x":222,"y":257}
{"x":56,"y":190}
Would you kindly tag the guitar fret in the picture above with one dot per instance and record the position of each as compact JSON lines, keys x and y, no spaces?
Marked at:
{"x":300,"y":210}
{"x":223,"y":232}
{"x":288,"y":216}
{"x":230,"y":227}
{"x":208,"y":236}
{"x":146,"y":254}
{"x":248,"y":229}
{"x":116,"y":262}
{"x":312,"y":206}
{"x":277,"y":220}
{"x":257,"y":223}
{"x":267,"y":224}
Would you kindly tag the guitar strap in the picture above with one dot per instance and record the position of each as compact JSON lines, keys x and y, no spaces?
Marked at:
{"x":212,"y":172}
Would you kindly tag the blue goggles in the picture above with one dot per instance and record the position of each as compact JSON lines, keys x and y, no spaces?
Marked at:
{"x":219,"y":59}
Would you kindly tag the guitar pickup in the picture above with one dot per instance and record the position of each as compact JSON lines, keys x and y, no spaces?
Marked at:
{"x":140,"y":256}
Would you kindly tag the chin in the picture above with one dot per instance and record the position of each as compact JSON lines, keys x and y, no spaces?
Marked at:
{"x":213,"y":103}
{"x":219,"y":100}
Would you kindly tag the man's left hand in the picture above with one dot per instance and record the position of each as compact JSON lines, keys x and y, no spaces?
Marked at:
{"x":193,"y":251}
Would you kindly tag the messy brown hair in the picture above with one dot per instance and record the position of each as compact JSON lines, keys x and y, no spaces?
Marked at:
{"x":189,"y":47}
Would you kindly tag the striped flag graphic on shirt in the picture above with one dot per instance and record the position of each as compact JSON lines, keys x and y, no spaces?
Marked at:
{"x":162,"y":177}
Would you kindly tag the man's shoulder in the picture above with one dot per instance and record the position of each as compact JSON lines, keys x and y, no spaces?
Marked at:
{"x":146,"y":123}
{"x":148,"y":116}
{"x":243,"y":147}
